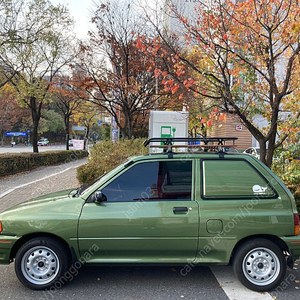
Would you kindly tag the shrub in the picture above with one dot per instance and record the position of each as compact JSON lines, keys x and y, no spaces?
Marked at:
{"x":107,"y":155}
{"x":14,"y":163}
{"x":289,"y":173}
{"x":297,"y":198}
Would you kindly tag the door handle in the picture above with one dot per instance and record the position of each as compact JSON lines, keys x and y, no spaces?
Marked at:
{"x":180,"y":209}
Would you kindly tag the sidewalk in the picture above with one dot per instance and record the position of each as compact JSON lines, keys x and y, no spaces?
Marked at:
{"x":21,"y":187}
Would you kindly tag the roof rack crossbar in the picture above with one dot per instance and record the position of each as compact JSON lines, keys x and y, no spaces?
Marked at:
{"x":169,"y":141}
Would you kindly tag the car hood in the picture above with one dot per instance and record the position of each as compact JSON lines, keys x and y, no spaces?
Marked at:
{"x":46,"y":213}
{"x":52,"y":197}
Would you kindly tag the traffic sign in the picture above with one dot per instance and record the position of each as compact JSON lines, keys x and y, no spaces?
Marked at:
{"x":15,"y":133}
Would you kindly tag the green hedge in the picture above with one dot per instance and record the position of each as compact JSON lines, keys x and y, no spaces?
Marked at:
{"x":19,"y":162}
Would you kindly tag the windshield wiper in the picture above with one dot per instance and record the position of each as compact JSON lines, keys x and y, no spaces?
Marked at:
{"x":80,"y":189}
{"x":84,"y":186}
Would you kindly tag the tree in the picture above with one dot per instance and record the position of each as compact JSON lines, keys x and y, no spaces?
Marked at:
{"x":10,"y":30}
{"x":86,"y":117}
{"x":36,"y":61}
{"x":248,"y":62}
{"x":120,"y":78}
{"x":68,"y":96}
{"x":10,"y":112}
{"x":51,"y":121}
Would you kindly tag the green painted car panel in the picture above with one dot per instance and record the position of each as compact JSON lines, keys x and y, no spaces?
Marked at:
{"x":140,"y":232}
{"x":292,"y":244}
{"x":6,"y":244}
{"x":240,"y":218}
{"x":164,"y":227}
{"x":147,"y":230}
{"x":55,"y":214}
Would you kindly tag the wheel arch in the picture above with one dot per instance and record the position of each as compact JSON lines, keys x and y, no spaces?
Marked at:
{"x":28,"y":237}
{"x":275,"y":239}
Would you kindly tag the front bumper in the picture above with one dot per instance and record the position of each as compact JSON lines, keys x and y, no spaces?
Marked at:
{"x":6,"y":245}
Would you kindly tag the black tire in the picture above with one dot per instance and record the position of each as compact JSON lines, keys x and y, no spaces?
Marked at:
{"x":259,"y":265}
{"x":41,"y":262}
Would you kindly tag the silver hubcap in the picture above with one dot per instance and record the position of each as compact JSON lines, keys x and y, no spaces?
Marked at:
{"x":261,"y":266}
{"x":40,"y":265}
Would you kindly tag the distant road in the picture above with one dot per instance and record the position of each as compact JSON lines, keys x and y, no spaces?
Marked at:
{"x":22,"y":148}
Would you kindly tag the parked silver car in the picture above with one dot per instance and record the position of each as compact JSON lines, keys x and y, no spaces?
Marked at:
{"x":255,"y":151}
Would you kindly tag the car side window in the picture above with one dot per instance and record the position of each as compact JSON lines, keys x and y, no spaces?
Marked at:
{"x":152,"y":181}
{"x":232,"y":179}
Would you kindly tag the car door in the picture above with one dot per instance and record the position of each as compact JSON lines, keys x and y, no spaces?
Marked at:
{"x":149,"y":216}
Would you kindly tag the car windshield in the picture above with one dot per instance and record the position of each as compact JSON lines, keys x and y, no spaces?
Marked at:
{"x":258,"y":150}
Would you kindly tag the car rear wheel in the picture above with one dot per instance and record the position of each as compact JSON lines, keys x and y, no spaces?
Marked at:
{"x":260,"y":265}
{"x":41,"y":262}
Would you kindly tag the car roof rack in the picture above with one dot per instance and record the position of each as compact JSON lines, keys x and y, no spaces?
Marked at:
{"x":207,"y":143}
{"x":170,"y":140}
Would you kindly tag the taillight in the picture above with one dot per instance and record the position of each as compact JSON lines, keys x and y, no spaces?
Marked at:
{"x":296,"y":223}
{"x":0,"y":227}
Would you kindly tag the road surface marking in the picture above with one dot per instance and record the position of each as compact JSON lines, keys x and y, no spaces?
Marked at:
{"x":31,"y":182}
{"x":6,"y":193}
{"x":233,"y":288}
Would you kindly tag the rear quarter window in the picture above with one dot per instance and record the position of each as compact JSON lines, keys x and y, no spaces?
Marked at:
{"x":230,"y":179}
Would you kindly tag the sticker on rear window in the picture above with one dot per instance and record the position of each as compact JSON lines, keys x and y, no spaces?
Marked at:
{"x":259,"y":190}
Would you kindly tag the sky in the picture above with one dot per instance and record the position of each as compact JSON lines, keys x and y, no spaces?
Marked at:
{"x":80,"y":11}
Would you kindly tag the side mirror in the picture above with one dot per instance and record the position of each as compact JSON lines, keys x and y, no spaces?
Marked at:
{"x":99,"y":197}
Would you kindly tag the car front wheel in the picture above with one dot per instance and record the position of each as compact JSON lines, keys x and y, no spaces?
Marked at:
{"x":41,"y":262}
{"x":260,"y":265}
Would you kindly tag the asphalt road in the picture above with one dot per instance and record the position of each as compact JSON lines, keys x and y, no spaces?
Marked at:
{"x":147,"y":283}
{"x":132,"y":283}
{"x":124,"y":283}
{"x":22,"y":148}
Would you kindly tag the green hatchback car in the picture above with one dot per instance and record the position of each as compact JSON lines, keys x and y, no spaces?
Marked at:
{"x":206,"y":208}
